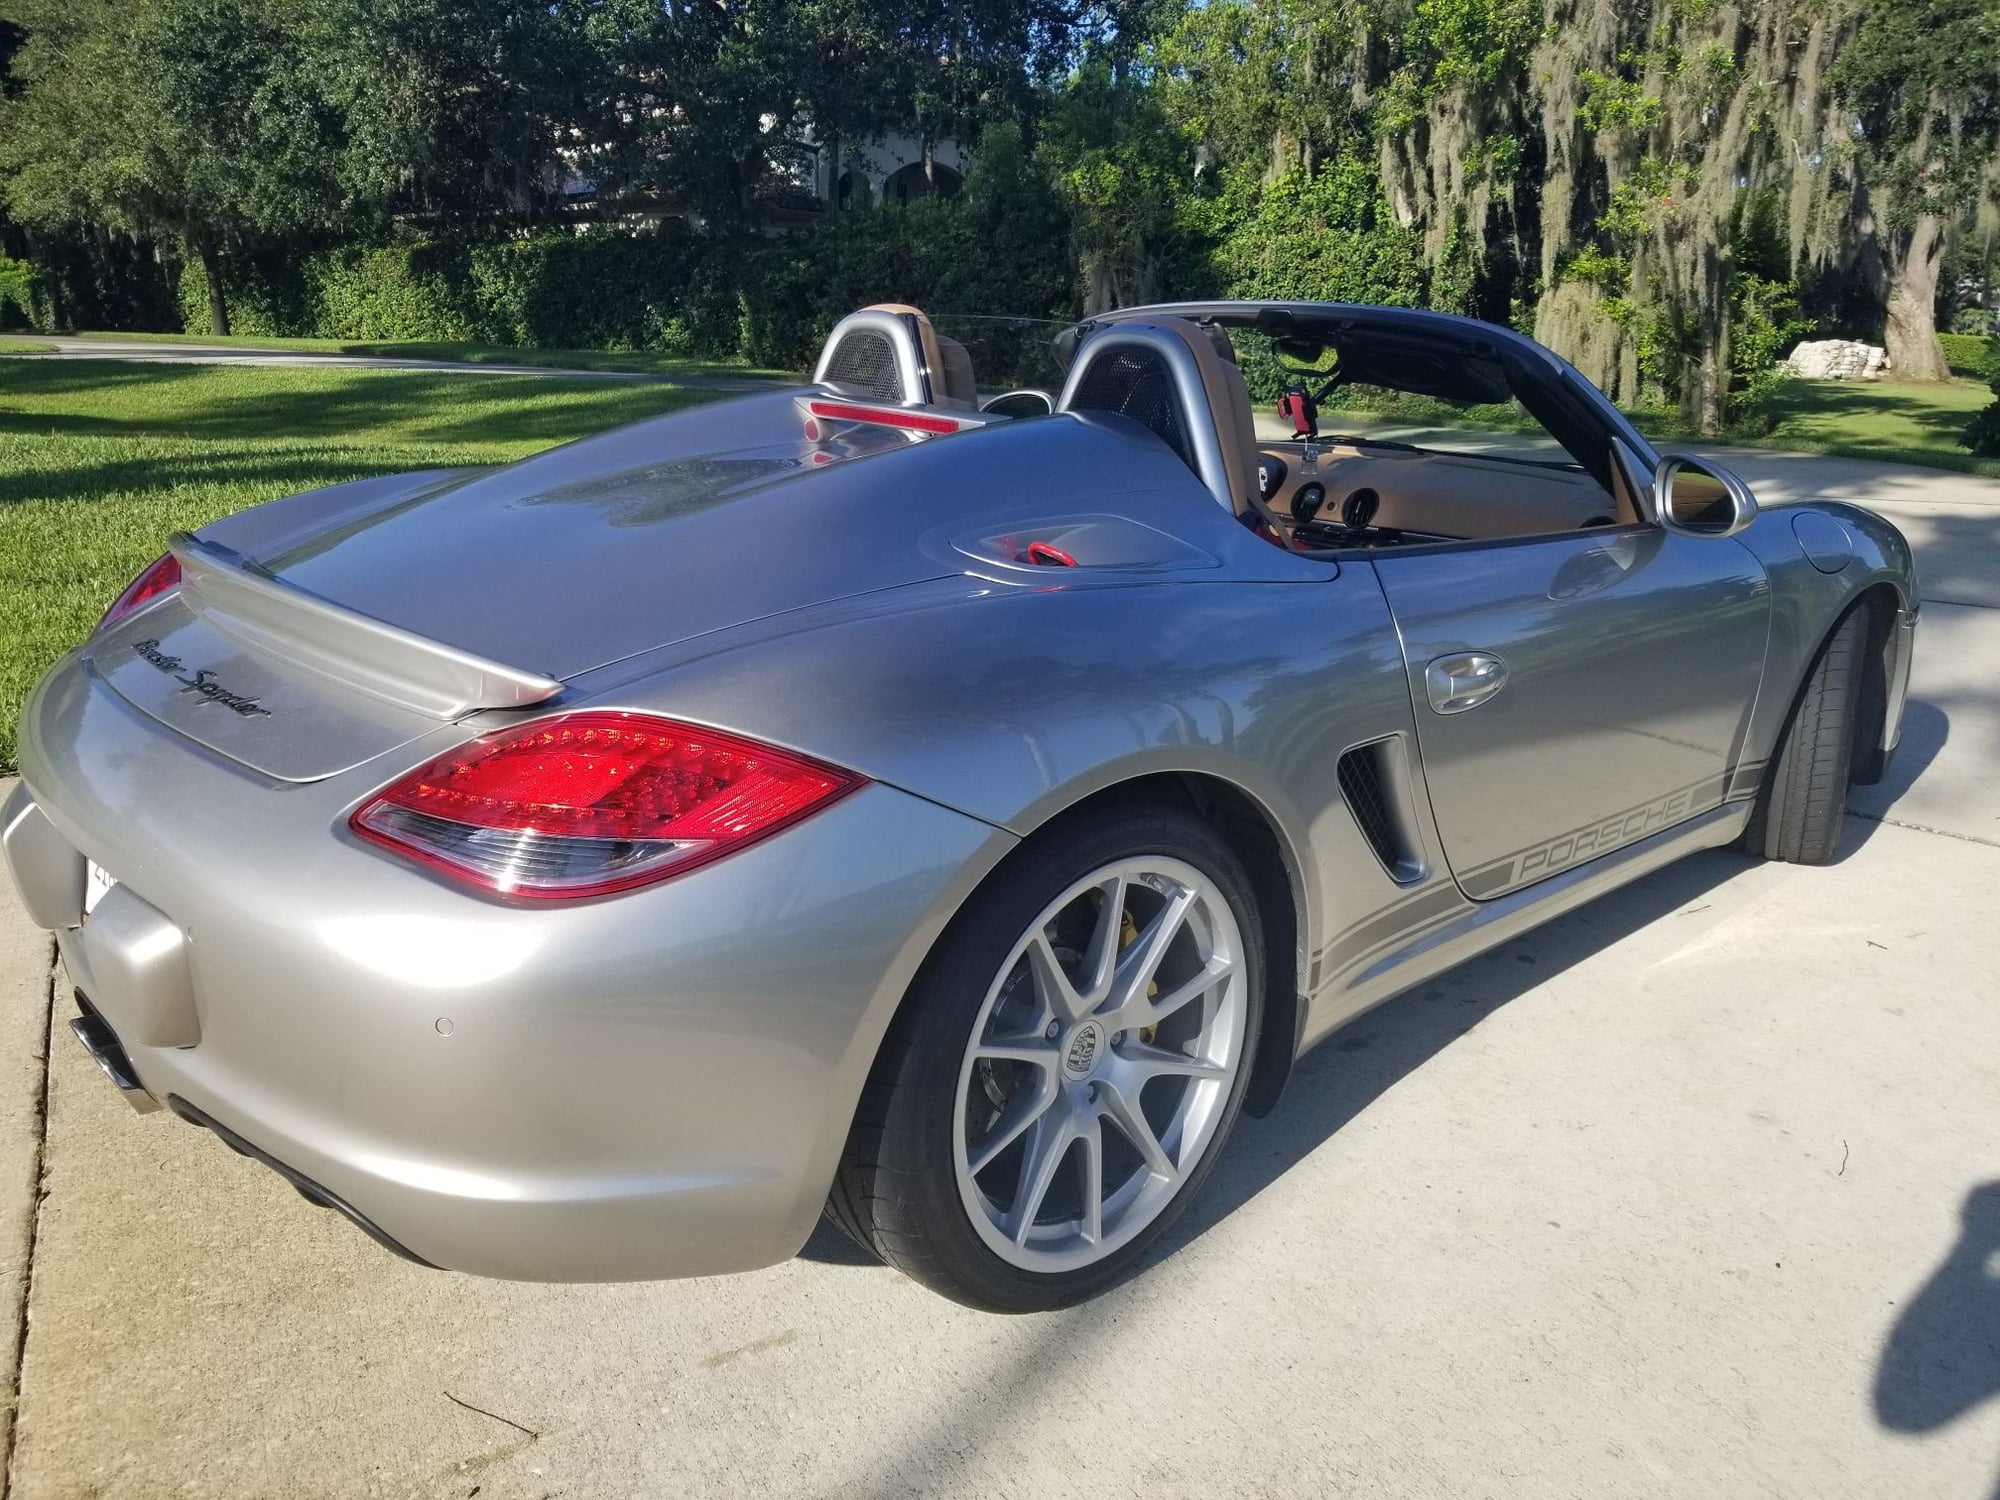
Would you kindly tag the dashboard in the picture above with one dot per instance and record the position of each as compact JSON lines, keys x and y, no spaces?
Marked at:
{"x":1360,"y":492}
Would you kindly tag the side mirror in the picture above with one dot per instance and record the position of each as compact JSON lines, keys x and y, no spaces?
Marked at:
{"x":1020,"y":404}
{"x":1698,"y":497}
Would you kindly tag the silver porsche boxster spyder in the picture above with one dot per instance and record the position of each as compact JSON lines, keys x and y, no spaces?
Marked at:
{"x":943,"y":795}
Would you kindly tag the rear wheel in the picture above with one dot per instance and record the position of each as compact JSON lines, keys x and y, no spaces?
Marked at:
{"x":1065,"y":1069}
{"x":1800,"y":806}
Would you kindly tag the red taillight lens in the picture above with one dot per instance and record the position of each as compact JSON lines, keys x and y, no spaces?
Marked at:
{"x":162,"y":574}
{"x":587,"y":803}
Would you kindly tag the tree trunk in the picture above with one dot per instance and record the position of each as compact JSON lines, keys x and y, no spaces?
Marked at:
{"x":1709,"y":396}
{"x":1909,"y":325}
{"x":211,"y":270}
{"x":1100,"y":286}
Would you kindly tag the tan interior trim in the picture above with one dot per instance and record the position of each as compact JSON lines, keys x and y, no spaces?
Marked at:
{"x":1430,"y":492}
{"x":1235,"y":422}
{"x":927,"y":341}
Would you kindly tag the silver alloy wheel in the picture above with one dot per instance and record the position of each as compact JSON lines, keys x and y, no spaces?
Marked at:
{"x":1100,"y":1064}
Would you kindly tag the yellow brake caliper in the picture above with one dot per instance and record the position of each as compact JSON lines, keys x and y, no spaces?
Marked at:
{"x":1128,"y":934}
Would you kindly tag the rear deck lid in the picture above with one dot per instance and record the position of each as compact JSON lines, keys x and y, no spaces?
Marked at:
{"x":303,"y":644}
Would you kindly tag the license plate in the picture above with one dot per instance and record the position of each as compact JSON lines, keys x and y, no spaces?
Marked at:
{"x":96,"y":881}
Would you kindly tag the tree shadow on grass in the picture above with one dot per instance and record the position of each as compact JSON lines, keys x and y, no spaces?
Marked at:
{"x":446,"y":409}
{"x":277,"y":471}
{"x":38,"y":379}
{"x":1935,"y":414}
{"x":350,"y":405}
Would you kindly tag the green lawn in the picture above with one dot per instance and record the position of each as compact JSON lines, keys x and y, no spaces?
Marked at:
{"x":100,"y":460}
{"x":631,"y":362}
{"x":12,"y":344}
{"x":1884,"y":420}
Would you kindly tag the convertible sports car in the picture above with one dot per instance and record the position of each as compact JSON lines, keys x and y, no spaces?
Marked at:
{"x":945,"y":811}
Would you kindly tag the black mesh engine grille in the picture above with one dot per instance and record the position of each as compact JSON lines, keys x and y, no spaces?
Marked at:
{"x":1135,"y":383}
{"x":1361,"y":784}
{"x":866,"y":361}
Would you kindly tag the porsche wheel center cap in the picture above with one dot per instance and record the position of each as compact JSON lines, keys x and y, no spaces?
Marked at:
{"x":1081,"y":1052}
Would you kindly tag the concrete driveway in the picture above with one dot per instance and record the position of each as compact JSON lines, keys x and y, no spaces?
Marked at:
{"x":1695,"y":1192}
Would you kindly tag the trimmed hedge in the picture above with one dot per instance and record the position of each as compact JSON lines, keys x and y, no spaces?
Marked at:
{"x":94,"y":280}
{"x":1972,"y":355}
{"x":553,"y":290}
{"x":999,"y":248}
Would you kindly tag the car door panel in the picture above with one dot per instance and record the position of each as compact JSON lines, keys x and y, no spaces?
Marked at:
{"x":1628,"y":662}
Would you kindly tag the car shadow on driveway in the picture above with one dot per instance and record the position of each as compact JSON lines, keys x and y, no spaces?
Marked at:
{"x":1341,"y":1077}
{"x":1926,"y":727}
{"x":1366,"y":1058}
{"x":1942,"y":1358}
{"x":1347,"y":1072}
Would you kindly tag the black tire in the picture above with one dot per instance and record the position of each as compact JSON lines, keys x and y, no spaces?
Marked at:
{"x":1804,"y":796}
{"x":896,"y":1192}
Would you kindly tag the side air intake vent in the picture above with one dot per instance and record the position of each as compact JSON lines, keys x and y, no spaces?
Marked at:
{"x":866,"y":361}
{"x":1373,"y":779}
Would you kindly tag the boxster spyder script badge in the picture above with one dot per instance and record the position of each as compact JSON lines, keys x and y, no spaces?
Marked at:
{"x":202,"y":682}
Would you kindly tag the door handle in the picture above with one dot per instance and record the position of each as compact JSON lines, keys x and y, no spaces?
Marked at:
{"x":1463,"y":680}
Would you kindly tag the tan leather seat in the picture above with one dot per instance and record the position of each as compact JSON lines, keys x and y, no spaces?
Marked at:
{"x":1229,"y":402}
{"x":956,"y":370}
{"x":945,"y":360}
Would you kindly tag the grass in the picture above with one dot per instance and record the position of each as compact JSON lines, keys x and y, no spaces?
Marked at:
{"x":629,"y":362}
{"x":100,"y":460}
{"x":9,"y":344}
{"x":1916,"y":423}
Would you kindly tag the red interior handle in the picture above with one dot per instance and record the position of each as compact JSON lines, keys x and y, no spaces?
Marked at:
{"x":1048,"y":555}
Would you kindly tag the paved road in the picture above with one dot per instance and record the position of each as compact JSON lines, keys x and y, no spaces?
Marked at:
{"x":232,"y":354}
{"x":1690,"y":1193}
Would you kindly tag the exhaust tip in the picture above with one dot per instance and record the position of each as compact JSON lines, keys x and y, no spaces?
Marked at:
{"x":102,"y":1043}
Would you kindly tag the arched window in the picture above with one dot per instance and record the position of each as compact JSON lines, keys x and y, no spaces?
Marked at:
{"x":852,"y":190}
{"x":908,"y":182}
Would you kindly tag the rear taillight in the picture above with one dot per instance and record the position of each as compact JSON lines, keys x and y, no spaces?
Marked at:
{"x":587,"y":803}
{"x":162,"y":574}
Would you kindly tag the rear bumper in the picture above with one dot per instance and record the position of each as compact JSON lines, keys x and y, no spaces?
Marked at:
{"x":653,"y":1085}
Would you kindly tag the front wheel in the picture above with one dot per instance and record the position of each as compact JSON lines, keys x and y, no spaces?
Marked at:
{"x":1801,"y":804}
{"x":1066,"y":1067}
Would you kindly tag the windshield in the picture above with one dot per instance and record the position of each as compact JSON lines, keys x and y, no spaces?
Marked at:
{"x":1443,"y":402}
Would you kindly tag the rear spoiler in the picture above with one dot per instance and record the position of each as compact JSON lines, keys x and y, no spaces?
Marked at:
{"x":242,"y":599}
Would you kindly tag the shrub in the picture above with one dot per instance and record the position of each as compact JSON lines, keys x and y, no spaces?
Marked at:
{"x":266,"y":286}
{"x":419,"y":291}
{"x":1972,"y":355}
{"x":1982,"y":433}
{"x":1325,"y":237}
{"x":998,"y":248}
{"x":1767,"y":321}
{"x":89,"y":279}
{"x":17,"y":292}
{"x":554,"y":289}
